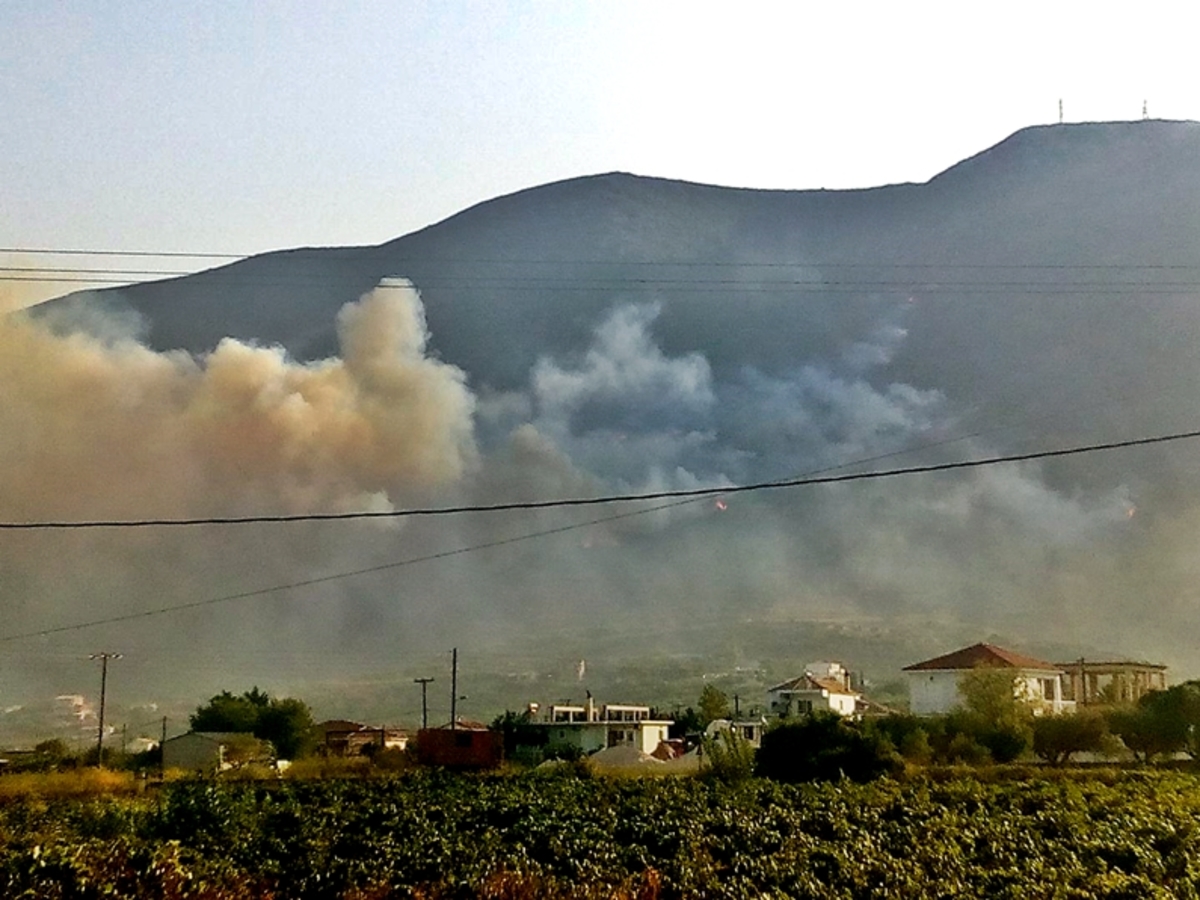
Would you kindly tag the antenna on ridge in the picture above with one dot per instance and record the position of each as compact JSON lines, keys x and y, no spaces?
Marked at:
{"x":1060,"y":110}
{"x":1145,"y":111}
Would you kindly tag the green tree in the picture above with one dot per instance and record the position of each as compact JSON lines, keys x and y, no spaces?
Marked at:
{"x":993,"y":715}
{"x":727,"y":756}
{"x":713,"y":704}
{"x":1145,"y":732}
{"x":286,"y":722}
{"x":824,"y":746}
{"x":992,"y":694}
{"x":1162,"y":722}
{"x":1057,"y":738}
{"x":228,"y":713}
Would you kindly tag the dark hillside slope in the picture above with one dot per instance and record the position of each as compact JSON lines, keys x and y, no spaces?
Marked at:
{"x":622,"y":333}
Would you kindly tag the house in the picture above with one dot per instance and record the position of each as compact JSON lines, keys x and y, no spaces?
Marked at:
{"x":340,"y":737}
{"x":589,"y":728}
{"x":823,"y":686}
{"x":749,"y":730}
{"x":213,"y":751}
{"x":1091,"y":683}
{"x":934,"y":683}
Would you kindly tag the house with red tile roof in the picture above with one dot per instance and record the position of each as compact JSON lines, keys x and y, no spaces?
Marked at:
{"x":934,"y":683}
{"x":823,"y":686}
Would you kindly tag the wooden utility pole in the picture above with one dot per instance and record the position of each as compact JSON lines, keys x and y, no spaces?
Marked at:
{"x":423,"y":682}
{"x":454,"y":689}
{"x":104,"y":658}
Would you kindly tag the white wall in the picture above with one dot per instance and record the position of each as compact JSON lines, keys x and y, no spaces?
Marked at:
{"x":932,"y":693}
{"x":936,"y":692}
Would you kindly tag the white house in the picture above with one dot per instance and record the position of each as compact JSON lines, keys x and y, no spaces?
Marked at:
{"x":590,"y":728}
{"x":823,"y":686}
{"x":934,"y":684}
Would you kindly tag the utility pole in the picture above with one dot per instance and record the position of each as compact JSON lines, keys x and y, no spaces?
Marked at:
{"x":162,"y":751}
{"x":104,"y":658}
{"x":423,"y":682}
{"x":454,"y":690}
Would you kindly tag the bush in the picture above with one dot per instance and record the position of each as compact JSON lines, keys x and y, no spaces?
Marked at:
{"x":825,"y":747}
{"x":1057,"y":738}
{"x":727,"y":757}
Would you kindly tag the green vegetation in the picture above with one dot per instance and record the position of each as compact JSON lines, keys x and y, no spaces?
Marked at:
{"x":1064,"y":834}
{"x":285,"y":722}
{"x":825,"y":747}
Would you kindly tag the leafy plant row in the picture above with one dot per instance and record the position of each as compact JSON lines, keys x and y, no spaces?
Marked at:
{"x":435,"y":835}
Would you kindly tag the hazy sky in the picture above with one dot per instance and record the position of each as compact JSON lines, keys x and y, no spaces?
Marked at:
{"x":243,"y":127}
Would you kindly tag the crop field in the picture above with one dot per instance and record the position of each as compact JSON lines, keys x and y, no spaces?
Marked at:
{"x":1072,"y":835}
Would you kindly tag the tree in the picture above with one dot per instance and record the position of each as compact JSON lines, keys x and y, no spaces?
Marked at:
{"x":1145,"y":731}
{"x":992,"y":695}
{"x":228,"y":713}
{"x":1057,"y":738}
{"x":713,"y":704}
{"x":727,"y":756}
{"x":521,"y":736}
{"x":824,"y":746}
{"x":993,"y":715}
{"x":1162,"y":722}
{"x":286,"y":722}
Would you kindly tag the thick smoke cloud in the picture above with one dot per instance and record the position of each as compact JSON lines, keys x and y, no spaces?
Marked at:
{"x":92,"y":428}
{"x":102,"y":427}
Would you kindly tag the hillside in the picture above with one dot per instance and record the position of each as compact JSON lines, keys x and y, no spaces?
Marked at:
{"x":616,"y":333}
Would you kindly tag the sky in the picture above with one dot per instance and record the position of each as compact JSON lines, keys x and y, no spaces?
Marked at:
{"x":241,"y":128}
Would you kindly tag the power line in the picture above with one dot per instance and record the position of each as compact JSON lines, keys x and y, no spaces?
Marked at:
{"x":457,"y":552}
{"x":324,"y":579}
{"x":596,"y":501}
{"x":76,"y":251}
{"x":530,"y":261}
{"x":687,"y":498}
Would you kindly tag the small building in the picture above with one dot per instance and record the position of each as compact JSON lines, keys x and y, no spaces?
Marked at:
{"x":1091,"y":683}
{"x":213,"y":751}
{"x":823,"y":686}
{"x":934,"y":683}
{"x":341,"y":737}
{"x":749,"y":730}
{"x":465,"y":746}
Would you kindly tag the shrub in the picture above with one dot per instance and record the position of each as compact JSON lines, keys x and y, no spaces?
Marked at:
{"x":1057,"y":738}
{"x":825,"y":747}
{"x":727,"y":757}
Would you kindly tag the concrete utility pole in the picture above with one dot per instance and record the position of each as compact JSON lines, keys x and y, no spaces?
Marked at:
{"x":104,"y":658}
{"x":423,"y":682}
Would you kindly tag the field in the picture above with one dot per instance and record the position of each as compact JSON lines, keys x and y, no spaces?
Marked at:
{"x":949,"y":834}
